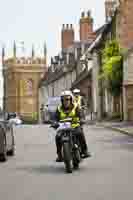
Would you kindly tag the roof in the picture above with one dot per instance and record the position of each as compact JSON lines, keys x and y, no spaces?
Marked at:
{"x":53,"y":76}
{"x":82,"y":76}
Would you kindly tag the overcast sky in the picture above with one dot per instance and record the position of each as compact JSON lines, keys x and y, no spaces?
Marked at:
{"x":37,"y":21}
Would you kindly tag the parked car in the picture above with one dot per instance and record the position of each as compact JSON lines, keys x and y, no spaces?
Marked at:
{"x":14,"y":119}
{"x":50,"y":109}
{"x":6,"y":140}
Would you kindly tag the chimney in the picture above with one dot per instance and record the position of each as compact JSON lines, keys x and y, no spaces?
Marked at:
{"x":86,"y":26}
{"x":67,"y":36}
{"x":109,"y":8}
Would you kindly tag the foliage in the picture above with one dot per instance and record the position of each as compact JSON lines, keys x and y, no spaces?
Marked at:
{"x":31,"y":119}
{"x":112,"y":70}
{"x":34,"y":116}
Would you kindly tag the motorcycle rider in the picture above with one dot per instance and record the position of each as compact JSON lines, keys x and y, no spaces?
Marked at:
{"x":68,"y":109}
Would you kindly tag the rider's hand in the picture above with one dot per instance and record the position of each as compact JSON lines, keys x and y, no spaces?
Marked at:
{"x":55,"y":125}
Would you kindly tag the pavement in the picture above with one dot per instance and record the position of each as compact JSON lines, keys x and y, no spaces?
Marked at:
{"x":125,"y":127}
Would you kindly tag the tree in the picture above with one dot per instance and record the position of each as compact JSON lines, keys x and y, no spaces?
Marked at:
{"x":112,"y":67}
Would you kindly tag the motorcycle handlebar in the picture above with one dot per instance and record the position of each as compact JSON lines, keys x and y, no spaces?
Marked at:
{"x":55,"y":125}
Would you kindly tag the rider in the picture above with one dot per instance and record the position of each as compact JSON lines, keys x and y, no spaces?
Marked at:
{"x":68,"y":109}
{"x":78,"y":98}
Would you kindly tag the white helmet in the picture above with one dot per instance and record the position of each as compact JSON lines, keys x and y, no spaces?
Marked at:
{"x":67,"y":93}
{"x":76,"y":91}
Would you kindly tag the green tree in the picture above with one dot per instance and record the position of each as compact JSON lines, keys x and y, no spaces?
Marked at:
{"x":112,"y":67}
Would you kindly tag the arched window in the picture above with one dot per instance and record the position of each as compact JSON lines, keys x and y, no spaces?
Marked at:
{"x":26,"y":87}
{"x":29,"y":85}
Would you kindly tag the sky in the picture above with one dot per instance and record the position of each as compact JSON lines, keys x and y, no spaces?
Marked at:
{"x":39,"y":21}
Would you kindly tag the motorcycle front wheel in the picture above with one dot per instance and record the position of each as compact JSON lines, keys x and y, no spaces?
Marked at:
{"x":67,"y":157}
{"x":76,"y":158}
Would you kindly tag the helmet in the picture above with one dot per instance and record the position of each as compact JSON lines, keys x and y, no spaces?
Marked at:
{"x":76,"y":91}
{"x":66,"y":93}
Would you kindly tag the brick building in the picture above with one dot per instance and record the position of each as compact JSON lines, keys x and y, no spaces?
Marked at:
{"x":125,"y":23}
{"x":125,"y":37}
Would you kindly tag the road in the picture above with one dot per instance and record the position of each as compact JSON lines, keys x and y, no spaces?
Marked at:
{"x":33,"y":174}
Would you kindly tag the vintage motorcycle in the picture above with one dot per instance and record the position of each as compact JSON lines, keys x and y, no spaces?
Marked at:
{"x":71,"y":148}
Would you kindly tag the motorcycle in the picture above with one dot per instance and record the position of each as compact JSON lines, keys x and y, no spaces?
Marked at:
{"x":71,"y":148}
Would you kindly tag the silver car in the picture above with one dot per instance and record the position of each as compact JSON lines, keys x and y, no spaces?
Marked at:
{"x":6,"y":140}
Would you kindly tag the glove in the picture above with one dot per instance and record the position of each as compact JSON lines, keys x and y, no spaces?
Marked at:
{"x":55,"y":125}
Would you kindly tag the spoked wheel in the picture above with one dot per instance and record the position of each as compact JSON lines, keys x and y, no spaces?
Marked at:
{"x":76,"y":159}
{"x":67,"y":157}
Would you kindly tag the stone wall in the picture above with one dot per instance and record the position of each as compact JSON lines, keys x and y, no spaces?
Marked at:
{"x":128,"y":86}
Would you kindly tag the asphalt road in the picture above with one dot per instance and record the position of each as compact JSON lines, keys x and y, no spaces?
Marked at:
{"x":33,"y":174}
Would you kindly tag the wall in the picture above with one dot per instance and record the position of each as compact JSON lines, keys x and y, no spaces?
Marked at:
{"x":128,"y":86}
{"x":96,"y":101}
{"x":125,"y":23}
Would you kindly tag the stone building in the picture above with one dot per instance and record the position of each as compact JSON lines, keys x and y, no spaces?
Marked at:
{"x":66,"y":67}
{"x":21,"y":79}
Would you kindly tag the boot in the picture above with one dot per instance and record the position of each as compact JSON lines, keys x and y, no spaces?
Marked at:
{"x":59,"y":158}
{"x":86,"y":154}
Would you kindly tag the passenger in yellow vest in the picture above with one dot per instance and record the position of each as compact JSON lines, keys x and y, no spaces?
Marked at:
{"x":68,"y":109}
{"x":78,"y":99}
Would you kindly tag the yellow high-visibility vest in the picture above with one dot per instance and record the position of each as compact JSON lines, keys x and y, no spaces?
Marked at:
{"x":78,"y":101}
{"x":71,"y":114}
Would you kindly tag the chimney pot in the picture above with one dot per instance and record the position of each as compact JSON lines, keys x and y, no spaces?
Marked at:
{"x":89,"y":13}
{"x":63,"y":26}
{"x":67,"y":26}
{"x":110,"y":5}
{"x":83,"y":14}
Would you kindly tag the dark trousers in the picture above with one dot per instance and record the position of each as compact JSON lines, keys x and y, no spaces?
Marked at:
{"x":80,"y":135}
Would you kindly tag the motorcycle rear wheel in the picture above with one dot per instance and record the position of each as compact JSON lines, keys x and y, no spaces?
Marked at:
{"x":67,"y":157}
